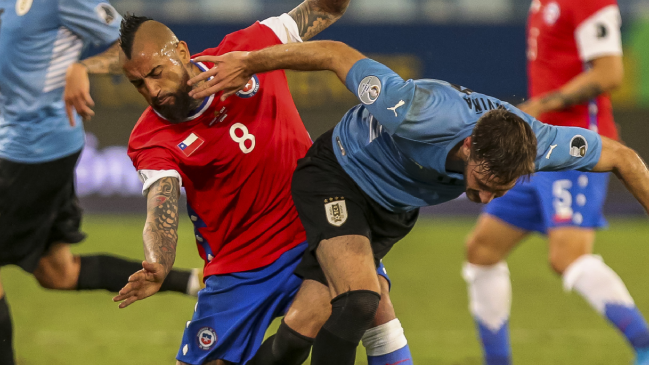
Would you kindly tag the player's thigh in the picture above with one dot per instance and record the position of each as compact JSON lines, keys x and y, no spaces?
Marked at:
{"x":385,"y":313}
{"x":59,"y":268}
{"x":567,"y":244}
{"x":491,"y":240}
{"x":348,"y":264}
{"x":310,"y":309}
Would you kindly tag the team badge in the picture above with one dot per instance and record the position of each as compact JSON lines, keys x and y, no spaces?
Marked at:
{"x":336,"y":211}
{"x":106,"y":12}
{"x":206,"y":338}
{"x":23,"y":6}
{"x":578,"y":146}
{"x":250,"y":89}
{"x":551,"y":13}
{"x":190,"y":144}
{"x":369,"y":89}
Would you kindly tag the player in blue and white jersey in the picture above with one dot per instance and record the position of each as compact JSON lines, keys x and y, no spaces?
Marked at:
{"x":409,"y":144}
{"x":41,"y":137}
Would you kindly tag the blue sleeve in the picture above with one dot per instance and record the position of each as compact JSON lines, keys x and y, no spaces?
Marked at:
{"x":565,"y":148}
{"x":384,"y":93}
{"x":95,"y":21}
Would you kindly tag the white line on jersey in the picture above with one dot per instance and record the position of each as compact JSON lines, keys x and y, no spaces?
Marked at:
{"x":550,"y":152}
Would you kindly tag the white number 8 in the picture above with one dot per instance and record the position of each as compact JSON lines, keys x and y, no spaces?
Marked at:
{"x":245,"y":137}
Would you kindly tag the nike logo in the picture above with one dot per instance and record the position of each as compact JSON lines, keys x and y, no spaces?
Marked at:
{"x":398,"y":362}
{"x":394,"y":109}
{"x":550,"y":152}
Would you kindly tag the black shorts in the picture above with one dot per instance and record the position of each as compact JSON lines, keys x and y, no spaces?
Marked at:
{"x":38,"y":207}
{"x":331,"y":204}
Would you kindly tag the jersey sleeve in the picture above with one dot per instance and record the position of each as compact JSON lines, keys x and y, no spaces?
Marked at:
{"x":597,"y":30}
{"x":152,"y":164}
{"x":384,"y":93}
{"x":95,"y":21}
{"x":285,"y":27}
{"x":565,"y":148}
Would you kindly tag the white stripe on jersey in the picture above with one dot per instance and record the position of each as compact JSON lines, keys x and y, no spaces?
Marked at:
{"x":66,"y":51}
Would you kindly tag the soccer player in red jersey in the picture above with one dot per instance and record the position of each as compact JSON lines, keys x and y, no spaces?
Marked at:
{"x":574,"y":61}
{"x":235,"y":157}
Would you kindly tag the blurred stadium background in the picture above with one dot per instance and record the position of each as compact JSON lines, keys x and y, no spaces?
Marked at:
{"x":479,"y":44}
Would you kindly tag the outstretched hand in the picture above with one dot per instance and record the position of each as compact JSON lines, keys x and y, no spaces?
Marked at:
{"x":229,"y":75}
{"x":142,"y":284}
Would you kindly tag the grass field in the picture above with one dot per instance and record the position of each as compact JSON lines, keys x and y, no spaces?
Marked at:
{"x":548,"y":326}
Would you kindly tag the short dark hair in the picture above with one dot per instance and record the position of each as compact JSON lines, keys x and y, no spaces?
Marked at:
{"x":504,"y":145}
{"x":130,"y":24}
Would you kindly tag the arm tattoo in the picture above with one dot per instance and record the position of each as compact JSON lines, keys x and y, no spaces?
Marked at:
{"x":161,"y":228}
{"x":106,"y":62}
{"x":313,"y":16}
{"x":586,"y":93}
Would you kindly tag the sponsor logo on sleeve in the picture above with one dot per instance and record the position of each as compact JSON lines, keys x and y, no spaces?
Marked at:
{"x":250,"y":89}
{"x":336,"y":211}
{"x":106,"y":12}
{"x":369,"y":89}
{"x":578,"y":146}
{"x":206,"y":338}
{"x":23,"y":6}
{"x":602,"y":31}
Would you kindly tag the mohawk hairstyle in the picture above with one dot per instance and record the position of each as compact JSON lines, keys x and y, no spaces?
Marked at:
{"x":505,"y":145}
{"x":130,"y":24}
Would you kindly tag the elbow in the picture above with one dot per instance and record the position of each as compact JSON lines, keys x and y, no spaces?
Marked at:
{"x":335,"y":7}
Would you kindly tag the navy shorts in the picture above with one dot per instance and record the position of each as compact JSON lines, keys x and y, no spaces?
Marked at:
{"x":234,"y":310}
{"x":554,"y":199}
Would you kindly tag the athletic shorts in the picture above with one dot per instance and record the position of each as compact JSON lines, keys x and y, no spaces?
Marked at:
{"x":234,"y":310}
{"x":331,"y":204}
{"x":554,"y":199}
{"x":38,"y":207}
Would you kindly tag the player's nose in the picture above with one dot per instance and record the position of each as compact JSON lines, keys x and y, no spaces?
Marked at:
{"x":152,"y":87}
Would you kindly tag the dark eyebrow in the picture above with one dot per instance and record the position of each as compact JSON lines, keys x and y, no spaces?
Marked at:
{"x":153,"y":70}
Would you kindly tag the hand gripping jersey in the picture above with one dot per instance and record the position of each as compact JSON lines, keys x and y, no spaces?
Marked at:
{"x":563,"y":35}
{"x":395,"y":144}
{"x":235,"y":159}
{"x":38,"y":41}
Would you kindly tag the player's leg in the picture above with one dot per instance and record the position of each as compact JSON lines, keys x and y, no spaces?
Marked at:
{"x":6,"y":331}
{"x":489,"y":286}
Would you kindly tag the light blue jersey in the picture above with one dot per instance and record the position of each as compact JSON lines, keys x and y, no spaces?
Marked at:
{"x":39,"y":39}
{"x":395,"y":144}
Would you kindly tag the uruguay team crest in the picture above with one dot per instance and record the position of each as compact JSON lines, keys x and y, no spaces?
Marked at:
{"x":336,"y":212}
{"x":206,"y":338}
{"x":250,"y":89}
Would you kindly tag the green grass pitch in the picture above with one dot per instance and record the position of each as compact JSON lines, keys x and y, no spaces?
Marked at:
{"x":548,"y":326}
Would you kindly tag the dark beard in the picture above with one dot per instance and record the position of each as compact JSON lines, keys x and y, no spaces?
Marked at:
{"x":182,"y":103}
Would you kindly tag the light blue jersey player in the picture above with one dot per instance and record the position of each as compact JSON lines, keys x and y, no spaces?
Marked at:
{"x":409,"y":144}
{"x":42,"y":82}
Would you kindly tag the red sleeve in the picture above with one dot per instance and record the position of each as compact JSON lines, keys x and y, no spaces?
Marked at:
{"x":153,"y":158}
{"x":582,"y":10}
{"x":256,"y":36}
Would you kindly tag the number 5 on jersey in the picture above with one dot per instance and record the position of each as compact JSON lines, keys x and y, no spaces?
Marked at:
{"x":241,"y":140}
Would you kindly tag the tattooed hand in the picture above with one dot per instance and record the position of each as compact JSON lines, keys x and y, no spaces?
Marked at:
{"x":313,"y":16}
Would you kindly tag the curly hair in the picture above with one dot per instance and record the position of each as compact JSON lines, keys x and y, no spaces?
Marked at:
{"x":130,"y":24}
{"x":504,"y":145}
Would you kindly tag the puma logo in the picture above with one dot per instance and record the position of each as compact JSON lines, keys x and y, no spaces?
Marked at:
{"x":399,"y":104}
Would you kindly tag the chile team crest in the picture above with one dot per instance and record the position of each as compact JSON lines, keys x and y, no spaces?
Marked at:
{"x":250,"y":89}
{"x":206,"y":338}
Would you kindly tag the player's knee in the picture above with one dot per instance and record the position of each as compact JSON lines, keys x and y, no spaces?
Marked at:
{"x":352,"y":313}
{"x":57,"y":276}
{"x":480,"y":250}
{"x":559,"y":262}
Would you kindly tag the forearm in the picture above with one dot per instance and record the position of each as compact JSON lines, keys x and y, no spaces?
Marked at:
{"x":160,"y":234}
{"x":308,"y":56}
{"x":106,"y":62}
{"x":313,"y":16}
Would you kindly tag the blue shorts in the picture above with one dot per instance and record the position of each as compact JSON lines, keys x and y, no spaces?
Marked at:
{"x":554,"y":199}
{"x":234,"y":310}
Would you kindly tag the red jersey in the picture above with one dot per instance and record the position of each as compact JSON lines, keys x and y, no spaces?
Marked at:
{"x":235,"y":159}
{"x":563,"y":35}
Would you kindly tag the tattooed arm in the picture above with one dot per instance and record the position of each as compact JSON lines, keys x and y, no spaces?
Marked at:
{"x":77,"y":85}
{"x":160,"y":238}
{"x":313,"y":16}
{"x":604,"y":76}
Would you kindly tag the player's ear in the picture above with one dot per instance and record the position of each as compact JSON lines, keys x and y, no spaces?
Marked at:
{"x":466,"y":146}
{"x":183,"y":52}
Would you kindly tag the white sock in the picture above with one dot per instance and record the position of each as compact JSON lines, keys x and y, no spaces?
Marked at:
{"x":384,"y":339}
{"x":596,"y":282}
{"x":490,"y":293}
{"x":195,"y":285}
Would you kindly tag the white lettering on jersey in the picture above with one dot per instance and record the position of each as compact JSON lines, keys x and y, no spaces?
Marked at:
{"x":599,"y":35}
{"x":399,"y":104}
{"x":245,"y":137}
{"x":550,"y":152}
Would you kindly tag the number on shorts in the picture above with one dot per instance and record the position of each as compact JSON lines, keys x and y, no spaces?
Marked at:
{"x":562,"y":197}
{"x":245,"y":137}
